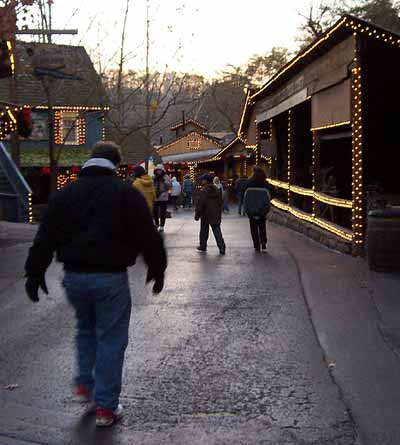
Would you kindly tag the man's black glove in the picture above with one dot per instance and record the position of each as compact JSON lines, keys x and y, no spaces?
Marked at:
{"x":32,"y":287}
{"x":158,"y":281}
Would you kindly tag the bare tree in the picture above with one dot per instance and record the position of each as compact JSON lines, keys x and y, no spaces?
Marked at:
{"x":316,"y":20}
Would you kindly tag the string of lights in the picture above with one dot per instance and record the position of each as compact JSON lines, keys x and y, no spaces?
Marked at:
{"x":30,"y":209}
{"x":300,"y":57}
{"x":195,"y":137}
{"x":321,"y":197}
{"x":373,"y":31}
{"x":67,"y":108}
{"x":357,"y":170}
{"x":327,"y":127}
{"x":12,"y":58}
{"x":333,"y":228}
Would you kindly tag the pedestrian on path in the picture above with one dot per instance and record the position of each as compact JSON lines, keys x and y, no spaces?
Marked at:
{"x":187,"y":191}
{"x":162,"y":185}
{"x":222,"y":190}
{"x":209,"y":211}
{"x":240,"y":188}
{"x":176,"y":191}
{"x":257,"y":203}
{"x":144,"y":184}
{"x":97,"y":226}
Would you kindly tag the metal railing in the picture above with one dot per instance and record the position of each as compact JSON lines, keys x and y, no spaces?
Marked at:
{"x":18,"y":196}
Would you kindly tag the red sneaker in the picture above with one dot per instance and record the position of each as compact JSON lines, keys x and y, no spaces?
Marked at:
{"x":83,"y":394}
{"x":106,"y":417}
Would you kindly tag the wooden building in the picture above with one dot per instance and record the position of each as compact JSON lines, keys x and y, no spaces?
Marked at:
{"x":77,"y":95}
{"x":64,"y":77}
{"x":190,"y":148}
{"x":195,"y":150}
{"x":328,"y":121}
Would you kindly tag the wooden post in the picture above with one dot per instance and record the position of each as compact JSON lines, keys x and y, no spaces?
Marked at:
{"x":289,"y":155}
{"x":225,"y":169}
{"x":15,"y":147}
{"x":316,"y":170}
{"x":272,"y":138}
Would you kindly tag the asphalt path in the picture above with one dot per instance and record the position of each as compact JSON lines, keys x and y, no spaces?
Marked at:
{"x":238,"y":349}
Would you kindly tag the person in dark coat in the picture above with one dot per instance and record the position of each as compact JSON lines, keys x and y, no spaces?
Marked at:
{"x":240,"y":188}
{"x":257,"y":202}
{"x":162,"y":186}
{"x":209,"y":211}
{"x":97,"y":226}
{"x":187,"y":189}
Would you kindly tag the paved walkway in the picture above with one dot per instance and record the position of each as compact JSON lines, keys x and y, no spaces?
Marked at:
{"x":299,"y":345}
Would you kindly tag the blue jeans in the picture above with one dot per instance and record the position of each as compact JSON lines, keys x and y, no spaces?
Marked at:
{"x":102,"y":304}
{"x":188,"y":200}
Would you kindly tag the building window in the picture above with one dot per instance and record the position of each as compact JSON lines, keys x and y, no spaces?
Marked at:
{"x":70,"y":128}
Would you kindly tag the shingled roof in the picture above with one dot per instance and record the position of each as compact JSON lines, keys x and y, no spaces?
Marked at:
{"x":87,"y":92}
{"x":187,"y":122}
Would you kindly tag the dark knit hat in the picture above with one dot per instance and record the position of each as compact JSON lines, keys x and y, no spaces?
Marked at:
{"x":139,"y":171}
{"x":206,"y":177}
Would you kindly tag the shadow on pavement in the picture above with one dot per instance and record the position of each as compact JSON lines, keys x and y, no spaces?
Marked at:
{"x":86,"y":433}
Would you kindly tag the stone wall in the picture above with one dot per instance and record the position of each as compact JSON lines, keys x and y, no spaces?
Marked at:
{"x":315,"y":233}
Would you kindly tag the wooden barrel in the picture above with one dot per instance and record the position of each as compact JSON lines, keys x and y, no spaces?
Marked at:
{"x":383,"y":239}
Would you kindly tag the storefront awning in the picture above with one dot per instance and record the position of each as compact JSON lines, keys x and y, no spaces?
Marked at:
{"x":191,"y":157}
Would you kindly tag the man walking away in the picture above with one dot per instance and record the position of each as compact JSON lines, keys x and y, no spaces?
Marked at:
{"x":162,"y":185}
{"x":188,"y":191}
{"x":97,"y":226}
{"x":144,"y":184}
{"x":209,"y":210}
{"x":176,"y":191}
{"x":240,"y":188}
{"x":257,"y":203}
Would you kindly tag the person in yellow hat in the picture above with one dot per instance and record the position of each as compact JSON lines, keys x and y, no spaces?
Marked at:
{"x":144,"y":183}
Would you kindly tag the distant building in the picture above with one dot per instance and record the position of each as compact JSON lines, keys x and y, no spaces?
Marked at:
{"x":76,"y":94}
{"x":64,"y":77}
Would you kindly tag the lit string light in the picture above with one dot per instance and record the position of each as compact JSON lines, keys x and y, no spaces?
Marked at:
{"x":357,"y":171}
{"x":327,"y":127}
{"x":30,"y":209}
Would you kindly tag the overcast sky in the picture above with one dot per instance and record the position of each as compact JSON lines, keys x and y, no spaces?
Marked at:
{"x":200,"y":36}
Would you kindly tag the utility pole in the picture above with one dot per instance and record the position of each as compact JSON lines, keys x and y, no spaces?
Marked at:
{"x":147,"y":89}
{"x":15,"y":149}
{"x":50,"y":2}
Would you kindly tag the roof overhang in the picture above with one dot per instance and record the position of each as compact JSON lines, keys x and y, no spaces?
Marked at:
{"x":342,"y":29}
{"x":191,"y":157}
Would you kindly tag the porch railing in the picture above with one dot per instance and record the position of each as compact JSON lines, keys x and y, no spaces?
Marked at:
{"x":317,"y":196}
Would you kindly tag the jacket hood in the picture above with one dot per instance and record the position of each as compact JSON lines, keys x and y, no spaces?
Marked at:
{"x":99,"y":162}
{"x":160,"y":167}
{"x":145,"y":181}
{"x":212,"y":191}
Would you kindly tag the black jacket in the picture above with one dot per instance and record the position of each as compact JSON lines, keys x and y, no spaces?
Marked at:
{"x":97,"y":224}
{"x":209,"y":205}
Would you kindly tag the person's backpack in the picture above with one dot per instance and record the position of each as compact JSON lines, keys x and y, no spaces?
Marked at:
{"x":257,"y":202}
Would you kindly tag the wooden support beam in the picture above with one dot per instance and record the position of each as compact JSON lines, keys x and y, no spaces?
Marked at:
{"x":47,"y":32}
